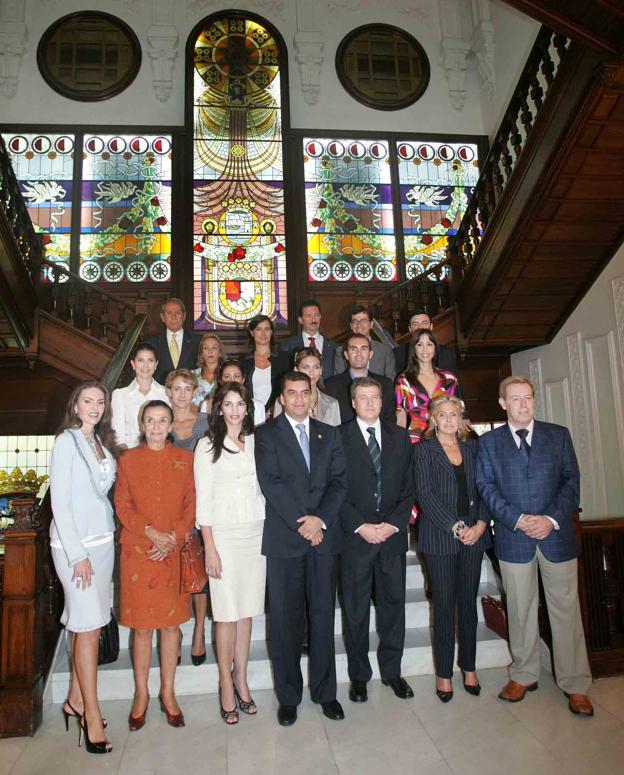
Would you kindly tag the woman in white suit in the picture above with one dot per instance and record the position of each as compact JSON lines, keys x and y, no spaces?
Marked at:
{"x":230,"y":513}
{"x":82,"y":471}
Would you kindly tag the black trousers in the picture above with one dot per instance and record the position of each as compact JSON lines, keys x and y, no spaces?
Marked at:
{"x":358,"y":572}
{"x":454,"y":582}
{"x":297,"y":584}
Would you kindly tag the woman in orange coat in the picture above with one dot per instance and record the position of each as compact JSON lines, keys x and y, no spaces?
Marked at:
{"x":155,"y":500}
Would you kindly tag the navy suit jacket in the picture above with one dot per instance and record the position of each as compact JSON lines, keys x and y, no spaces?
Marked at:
{"x":339,"y":387}
{"x":397,"y":491}
{"x":550,"y":485}
{"x":291,"y":491}
{"x":188,"y":354}
{"x":328,"y":356}
{"x":436,"y":495}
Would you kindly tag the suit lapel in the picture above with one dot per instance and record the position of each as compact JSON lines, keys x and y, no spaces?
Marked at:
{"x":438,"y":450}
{"x":539,"y":447}
{"x":360,"y":448}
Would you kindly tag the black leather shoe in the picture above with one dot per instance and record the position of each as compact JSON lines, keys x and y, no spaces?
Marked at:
{"x":198,"y":659}
{"x":358,"y":692}
{"x":474,"y":689}
{"x":287,"y":715}
{"x":399,"y":686}
{"x":444,"y":696}
{"x":333,"y":710}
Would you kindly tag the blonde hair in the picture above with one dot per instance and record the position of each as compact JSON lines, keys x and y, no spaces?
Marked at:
{"x":184,"y":374}
{"x":502,"y":388}
{"x":204,"y":338}
{"x":434,"y":409}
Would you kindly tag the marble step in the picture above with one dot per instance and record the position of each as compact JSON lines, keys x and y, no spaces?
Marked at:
{"x":115,"y":681}
{"x":417,"y":614}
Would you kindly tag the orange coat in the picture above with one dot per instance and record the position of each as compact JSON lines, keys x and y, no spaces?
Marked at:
{"x":153,"y":488}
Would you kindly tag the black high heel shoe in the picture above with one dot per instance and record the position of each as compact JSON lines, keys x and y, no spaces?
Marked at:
{"x":250,"y":707}
{"x":75,"y":714}
{"x":474,"y":689}
{"x":102,"y":747}
{"x":229,"y":716}
{"x":443,"y":695}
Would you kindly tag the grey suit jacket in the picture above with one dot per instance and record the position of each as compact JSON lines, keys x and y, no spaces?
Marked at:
{"x":383,"y":360}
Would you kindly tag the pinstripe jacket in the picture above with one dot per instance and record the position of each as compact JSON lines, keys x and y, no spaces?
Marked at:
{"x":549,"y":485}
{"x":436,"y":495}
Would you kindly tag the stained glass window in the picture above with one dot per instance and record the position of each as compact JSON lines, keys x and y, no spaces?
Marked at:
{"x":349,"y":214}
{"x":238,"y":192}
{"x":436,"y":183}
{"x":44,"y":167}
{"x":125,"y":229}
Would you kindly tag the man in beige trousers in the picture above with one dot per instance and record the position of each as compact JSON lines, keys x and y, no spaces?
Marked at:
{"x":528,"y":476}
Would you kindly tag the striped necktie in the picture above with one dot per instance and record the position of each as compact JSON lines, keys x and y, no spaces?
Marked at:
{"x":375,"y":453}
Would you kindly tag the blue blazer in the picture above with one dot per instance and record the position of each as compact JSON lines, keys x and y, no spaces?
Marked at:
{"x":549,"y":485}
{"x":291,"y":491}
{"x":328,"y":356}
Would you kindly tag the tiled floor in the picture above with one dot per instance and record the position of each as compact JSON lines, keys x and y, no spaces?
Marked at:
{"x":538,"y":736}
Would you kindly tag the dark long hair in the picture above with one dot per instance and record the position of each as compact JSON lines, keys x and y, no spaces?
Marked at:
{"x":413,"y":368}
{"x":103,"y":429}
{"x":217,"y":427}
{"x":253,"y":324}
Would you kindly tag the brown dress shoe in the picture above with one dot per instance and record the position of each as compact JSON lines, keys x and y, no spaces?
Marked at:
{"x":514,"y":692}
{"x":581,"y":704}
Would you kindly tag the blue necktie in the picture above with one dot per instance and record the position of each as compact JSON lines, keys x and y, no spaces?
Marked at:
{"x":375,"y":453}
{"x":304,"y":443}
{"x":525,"y":449}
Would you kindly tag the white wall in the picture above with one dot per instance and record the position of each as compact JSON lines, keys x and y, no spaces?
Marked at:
{"x":579,"y":383}
{"x":324,"y":22}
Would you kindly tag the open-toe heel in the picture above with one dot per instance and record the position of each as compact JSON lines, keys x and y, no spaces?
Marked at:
{"x":74,"y":714}
{"x":247,"y":707}
{"x":229,"y":716}
{"x":101,"y":747}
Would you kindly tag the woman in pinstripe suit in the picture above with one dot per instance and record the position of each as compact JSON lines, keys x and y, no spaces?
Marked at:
{"x":452,"y":536}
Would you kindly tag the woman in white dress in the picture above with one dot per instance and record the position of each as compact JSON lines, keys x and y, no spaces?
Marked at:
{"x":126,"y":403}
{"x":82,"y":471}
{"x":230,"y":513}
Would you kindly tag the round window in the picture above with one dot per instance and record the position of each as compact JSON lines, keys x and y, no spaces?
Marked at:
{"x":382,"y":67}
{"x":89,"y":56}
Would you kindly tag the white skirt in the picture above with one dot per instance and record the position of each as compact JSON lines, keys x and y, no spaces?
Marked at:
{"x":239,"y":593}
{"x":87,"y":609}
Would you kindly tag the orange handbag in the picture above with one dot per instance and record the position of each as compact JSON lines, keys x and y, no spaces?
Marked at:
{"x":193,"y":576}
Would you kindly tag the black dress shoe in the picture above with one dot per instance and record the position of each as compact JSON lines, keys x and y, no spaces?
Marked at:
{"x":287,"y":715}
{"x":399,"y":686}
{"x":333,"y":710}
{"x":358,"y":692}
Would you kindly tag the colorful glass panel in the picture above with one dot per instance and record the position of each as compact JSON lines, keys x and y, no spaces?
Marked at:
{"x":125,"y":231}
{"x":238,"y":192}
{"x":436,"y":182}
{"x":350,"y":222}
{"x":44,"y":168}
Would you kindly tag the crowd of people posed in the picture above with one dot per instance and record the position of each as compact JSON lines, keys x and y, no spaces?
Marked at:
{"x":286,"y":462}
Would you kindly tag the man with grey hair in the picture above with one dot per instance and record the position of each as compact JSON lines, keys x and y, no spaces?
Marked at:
{"x":175,"y":347}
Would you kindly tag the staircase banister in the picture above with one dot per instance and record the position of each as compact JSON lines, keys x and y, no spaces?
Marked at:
{"x":120,"y":358}
{"x":435,"y":269}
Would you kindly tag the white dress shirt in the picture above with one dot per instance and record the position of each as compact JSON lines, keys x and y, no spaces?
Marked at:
{"x":529,"y":440}
{"x":318,"y":341}
{"x":126,"y":404}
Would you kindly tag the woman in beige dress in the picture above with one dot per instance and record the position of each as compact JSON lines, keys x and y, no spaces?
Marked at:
{"x":322,"y":407}
{"x":230,"y":513}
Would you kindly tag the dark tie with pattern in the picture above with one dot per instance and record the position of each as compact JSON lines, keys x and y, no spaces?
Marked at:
{"x":313,"y":342}
{"x":525,"y":450}
{"x":375,"y":453}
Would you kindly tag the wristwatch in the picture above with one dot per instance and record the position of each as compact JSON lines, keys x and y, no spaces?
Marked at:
{"x":459,"y":528}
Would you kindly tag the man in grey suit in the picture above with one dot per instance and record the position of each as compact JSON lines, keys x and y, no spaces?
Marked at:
{"x":528,"y":477}
{"x":383,"y":360}
{"x":309,"y":317}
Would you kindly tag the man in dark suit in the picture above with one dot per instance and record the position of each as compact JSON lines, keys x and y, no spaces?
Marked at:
{"x":374,"y":518}
{"x":301,"y":470}
{"x":358,"y":354}
{"x":447,"y":360}
{"x":309,"y":317}
{"x":175,"y":347}
{"x":528,"y":476}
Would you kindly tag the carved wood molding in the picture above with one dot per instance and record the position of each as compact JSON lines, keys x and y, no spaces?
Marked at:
{"x":581,"y":414}
{"x":535,"y":375}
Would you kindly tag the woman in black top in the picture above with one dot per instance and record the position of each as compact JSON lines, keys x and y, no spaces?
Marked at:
{"x":264,"y":367}
{"x":452,"y":537}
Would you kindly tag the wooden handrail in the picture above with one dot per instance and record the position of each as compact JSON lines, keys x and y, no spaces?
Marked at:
{"x":537,"y":77}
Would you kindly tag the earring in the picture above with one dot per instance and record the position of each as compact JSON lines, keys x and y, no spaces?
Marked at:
{"x":435,"y":428}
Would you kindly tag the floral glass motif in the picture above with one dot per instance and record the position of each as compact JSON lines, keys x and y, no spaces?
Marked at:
{"x":238,"y":191}
{"x":436,"y":182}
{"x":350,"y":223}
{"x":125,"y":231}
{"x":44,"y":167}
